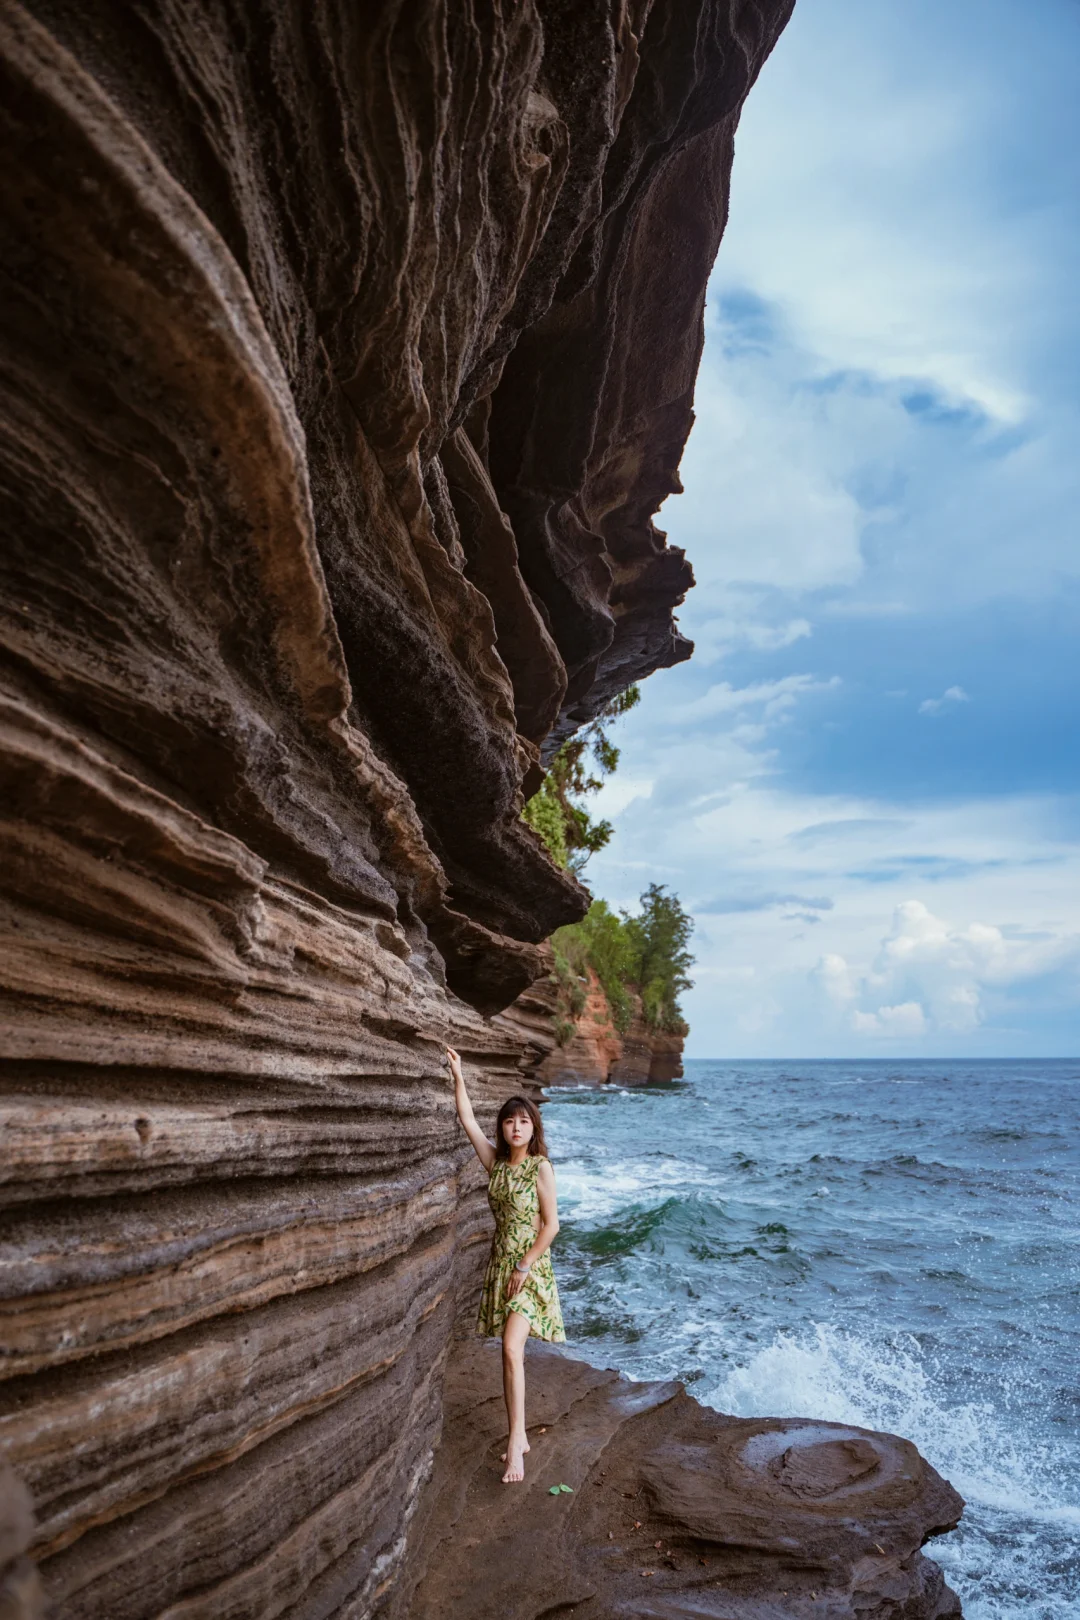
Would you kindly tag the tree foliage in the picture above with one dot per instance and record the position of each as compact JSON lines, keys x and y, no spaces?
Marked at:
{"x":579,"y":768}
{"x":599,"y":941}
{"x":647,"y":952}
{"x":660,"y":945}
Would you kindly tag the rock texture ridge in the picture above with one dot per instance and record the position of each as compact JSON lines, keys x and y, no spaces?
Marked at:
{"x":346,"y":353}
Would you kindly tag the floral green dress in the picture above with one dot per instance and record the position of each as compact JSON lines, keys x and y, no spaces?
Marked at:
{"x":515,"y":1204}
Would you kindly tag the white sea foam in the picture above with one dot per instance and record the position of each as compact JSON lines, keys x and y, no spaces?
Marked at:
{"x":595,"y":1189}
{"x":589,"y":1196}
{"x":719,"y":1313}
{"x":832,"y":1374}
{"x":1012,"y":1485}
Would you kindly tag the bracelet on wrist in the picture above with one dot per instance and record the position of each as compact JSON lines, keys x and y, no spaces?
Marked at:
{"x":524,"y":1270}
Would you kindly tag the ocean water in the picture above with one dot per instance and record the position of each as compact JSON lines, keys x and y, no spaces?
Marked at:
{"x":895,"y":1245}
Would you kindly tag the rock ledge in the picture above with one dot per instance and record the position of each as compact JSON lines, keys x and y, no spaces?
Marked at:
{"x":676,"y":1510}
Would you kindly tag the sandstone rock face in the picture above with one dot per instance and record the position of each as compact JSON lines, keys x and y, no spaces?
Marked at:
{"x":586,"y":1058}
{"x":676,"y":1510}
{"x":648,"y":1055}
{"x":595,"y":1053}
{"x":346,"y":354}
{"x":531,"y":1021}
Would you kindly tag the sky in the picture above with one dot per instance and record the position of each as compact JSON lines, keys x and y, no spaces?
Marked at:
{"x":865,"y":786}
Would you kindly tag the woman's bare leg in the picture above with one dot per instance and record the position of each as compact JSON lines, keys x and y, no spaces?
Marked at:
{"x":515,"y":1332}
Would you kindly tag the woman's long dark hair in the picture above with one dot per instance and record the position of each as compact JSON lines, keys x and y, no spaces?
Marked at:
{"x":537,"y":1147}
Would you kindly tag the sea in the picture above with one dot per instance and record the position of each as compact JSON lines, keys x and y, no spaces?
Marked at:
{"x":890,"y":1244}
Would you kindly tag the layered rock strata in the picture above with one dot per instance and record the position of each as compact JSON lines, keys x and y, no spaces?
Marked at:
{"x":346,"y":354}
{"x":675,"y":1510}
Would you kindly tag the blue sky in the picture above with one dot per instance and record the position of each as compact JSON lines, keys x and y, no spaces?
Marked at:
{"x":866,"y":785}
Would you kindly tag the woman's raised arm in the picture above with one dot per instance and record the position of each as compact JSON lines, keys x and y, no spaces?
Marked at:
{"x":485,"y":1150}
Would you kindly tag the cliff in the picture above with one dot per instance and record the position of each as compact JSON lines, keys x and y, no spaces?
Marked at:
{"x":347,"y":353}
{"x":586,"y":1049}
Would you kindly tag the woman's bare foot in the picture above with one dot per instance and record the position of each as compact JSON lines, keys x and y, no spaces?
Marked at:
{"x":515,"y":1461}
{"x":525,"y":1447}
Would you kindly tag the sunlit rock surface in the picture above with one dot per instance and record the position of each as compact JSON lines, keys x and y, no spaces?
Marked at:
{"x":347,"y":353}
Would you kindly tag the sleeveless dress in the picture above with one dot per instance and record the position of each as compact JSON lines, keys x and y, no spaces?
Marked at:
{"x":515,"y":1204}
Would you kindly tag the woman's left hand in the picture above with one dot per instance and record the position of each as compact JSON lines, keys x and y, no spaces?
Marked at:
{"x":516,"y":1283}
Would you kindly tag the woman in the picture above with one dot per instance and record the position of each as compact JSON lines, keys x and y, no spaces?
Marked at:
{"x":520,"y":1296}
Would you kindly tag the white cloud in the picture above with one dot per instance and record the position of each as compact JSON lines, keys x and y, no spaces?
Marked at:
{"x":907,"y":1019}
{"x":728,"y":632}
{"x":952,"y":694}
{"x":884,"y":274}
{"x":942,"y":973}
{"x":886,"y":420}
{"x":836,"y":978}
{"x":986,"y":933}
{"x":878,"y":227}
{"x":769,"y":505}
{"x":774,"y":697}
{"x":621,"y":790}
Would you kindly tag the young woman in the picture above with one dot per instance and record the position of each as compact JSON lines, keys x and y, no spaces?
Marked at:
{"x":520,"y":1296}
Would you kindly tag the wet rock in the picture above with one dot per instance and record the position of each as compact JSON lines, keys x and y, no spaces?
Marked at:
{"x":676,"y":1511}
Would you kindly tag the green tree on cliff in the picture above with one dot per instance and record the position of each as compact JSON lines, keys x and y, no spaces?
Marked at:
{"x":647,"y":952}
{"x":599,"y":941}
{"x":659,"y":939}
{"x":579,"y":768}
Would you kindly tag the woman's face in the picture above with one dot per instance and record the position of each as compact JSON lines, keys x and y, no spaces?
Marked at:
{"x":518,"y":1129}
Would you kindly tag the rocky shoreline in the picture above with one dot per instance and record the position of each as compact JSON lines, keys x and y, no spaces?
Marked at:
{"x":348,"y":353}
{"x":676,"y":1511}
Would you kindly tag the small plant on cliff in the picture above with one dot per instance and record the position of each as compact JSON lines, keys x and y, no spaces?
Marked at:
{"x":579,"y":768}
{"x":565,"y":1030}
{"x":647,"y":953}
{"x":644,"y":956}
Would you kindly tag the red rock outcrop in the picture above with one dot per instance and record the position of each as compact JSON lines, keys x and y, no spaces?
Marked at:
{"x":585,"y":1057}
{"x":675,"y":1511}
{"x":347,"y":352}
{"x":588,"y":1050}
{"x":648,"y":1055}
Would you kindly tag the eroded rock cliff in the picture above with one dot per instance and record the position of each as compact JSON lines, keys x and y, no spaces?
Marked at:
{"x":586,"y":1048}
{"x":347,"y":352}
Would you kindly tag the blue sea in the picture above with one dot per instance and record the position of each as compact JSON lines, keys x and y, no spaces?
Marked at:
{"x":889,"y":1244}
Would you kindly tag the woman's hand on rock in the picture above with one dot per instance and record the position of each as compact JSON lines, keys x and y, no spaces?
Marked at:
{"x":453,"y":1063}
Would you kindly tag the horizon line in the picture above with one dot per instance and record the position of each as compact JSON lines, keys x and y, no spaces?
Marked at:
{"x":1034,"y":1057}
